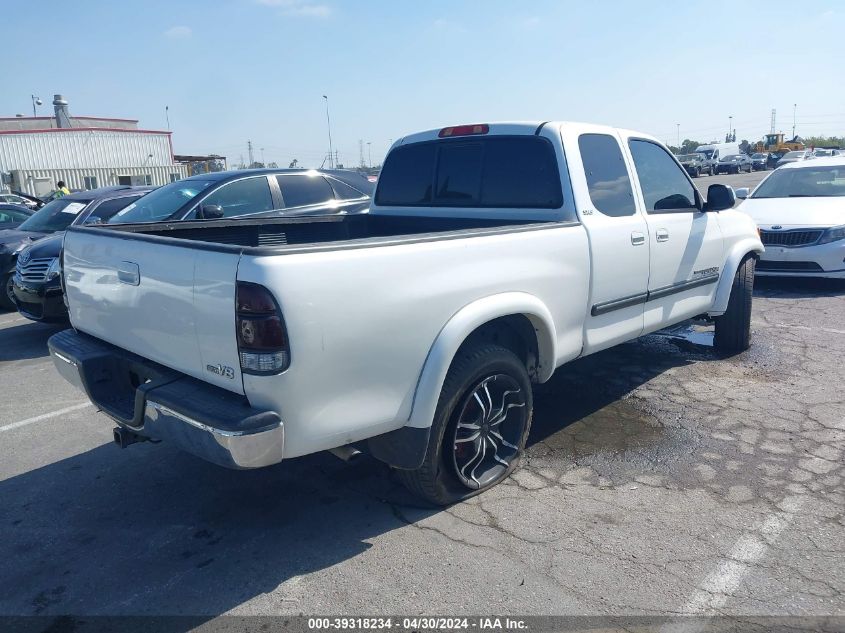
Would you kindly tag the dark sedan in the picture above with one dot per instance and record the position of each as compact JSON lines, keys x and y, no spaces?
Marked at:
{"x":759,"y":162}
{"x":734,"y":164}
{"x":13,"y":215}
{"x":253,"y":193}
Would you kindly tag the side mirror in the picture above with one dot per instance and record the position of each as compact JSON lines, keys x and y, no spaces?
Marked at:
{"x":210,"y":212}
{"x":719,"y":198}
{"x":92,"y":219}
{"x":742,"y":193}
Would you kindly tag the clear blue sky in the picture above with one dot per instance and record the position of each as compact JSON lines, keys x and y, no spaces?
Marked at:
{"x":233,"y":70}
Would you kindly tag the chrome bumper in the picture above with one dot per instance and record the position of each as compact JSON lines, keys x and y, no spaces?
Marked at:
{"x":201,"y":419}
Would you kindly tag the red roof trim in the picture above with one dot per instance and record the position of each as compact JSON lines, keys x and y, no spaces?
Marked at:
{"x":85,"y":129}
{"x":45,"y":118}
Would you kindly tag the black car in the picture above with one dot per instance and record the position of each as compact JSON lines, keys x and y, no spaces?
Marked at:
{"x":94,"y":206}
{"x":254,"y":193}
{"x":759,"y":161}
{"x":12,"y":215}
{"x":734,"y":164}
{"x":695,"y":164}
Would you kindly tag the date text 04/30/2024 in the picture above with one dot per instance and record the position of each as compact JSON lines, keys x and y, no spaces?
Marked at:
{"x":417,"y":624}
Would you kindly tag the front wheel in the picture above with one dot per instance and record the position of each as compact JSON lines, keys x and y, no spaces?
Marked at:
{"x":7,"y":301}
{"x":480,"y":426}
{"x":733,"y":328}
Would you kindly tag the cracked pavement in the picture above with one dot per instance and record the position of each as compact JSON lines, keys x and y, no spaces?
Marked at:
{"x":659,"y":480}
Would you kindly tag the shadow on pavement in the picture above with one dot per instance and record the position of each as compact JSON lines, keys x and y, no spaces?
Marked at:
{"x":151,"y":531}
{"x":26,"y":340}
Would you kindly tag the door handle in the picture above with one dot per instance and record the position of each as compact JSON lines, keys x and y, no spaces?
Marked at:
{"x":637,"y":238}
{"x":662,"y":235}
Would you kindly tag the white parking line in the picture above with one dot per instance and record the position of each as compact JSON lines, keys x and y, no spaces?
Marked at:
{"x":714,"y":591}
{"x":45,"y":416}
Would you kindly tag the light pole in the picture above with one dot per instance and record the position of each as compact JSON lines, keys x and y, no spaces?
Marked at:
{"x":678,"y":125}
{"x":370,"y":153}
{"x":794,"y":110}
{"x":730,"y":126}
{"x":36,"y":101}
{"x":262,"y":157}
{"x":329,"y":125}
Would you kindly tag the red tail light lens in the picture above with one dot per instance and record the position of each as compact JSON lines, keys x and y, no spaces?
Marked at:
{"x":464,"y":130}
{"x":262,"y":339}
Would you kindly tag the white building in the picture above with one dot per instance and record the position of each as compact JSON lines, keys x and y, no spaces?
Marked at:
{"x":84,"y":152}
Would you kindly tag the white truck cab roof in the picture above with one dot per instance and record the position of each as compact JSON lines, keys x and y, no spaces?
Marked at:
{"x":513,"y":128}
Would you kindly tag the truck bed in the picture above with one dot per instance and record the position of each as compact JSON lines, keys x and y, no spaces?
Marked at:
{"x":276,"y":234}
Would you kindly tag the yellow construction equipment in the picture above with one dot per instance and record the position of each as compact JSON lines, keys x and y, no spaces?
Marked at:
{"x":774,"y":143}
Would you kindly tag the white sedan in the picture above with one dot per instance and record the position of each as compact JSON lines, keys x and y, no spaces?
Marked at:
{"x":800,"y":212}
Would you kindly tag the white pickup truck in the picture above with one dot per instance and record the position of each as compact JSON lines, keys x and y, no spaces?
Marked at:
{"x":492,"y":255}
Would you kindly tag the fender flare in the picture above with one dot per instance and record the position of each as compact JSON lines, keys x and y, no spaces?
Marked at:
{"x":460,"y":326}
{"x":406,"y":447}
{"x":740,"y":251}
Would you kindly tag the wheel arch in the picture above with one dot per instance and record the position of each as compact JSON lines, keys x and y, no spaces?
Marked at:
{"x":741,"y":250}
{"x":512,"y":319}
{"x":519,"y":321}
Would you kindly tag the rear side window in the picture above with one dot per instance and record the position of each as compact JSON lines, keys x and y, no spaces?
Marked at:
{"x":664,"y":184}
{"x":109,"y":208}
{"x":494,"y":172}
{"x":342,"y":191}
{"x":607,"y":176}
{"x":299,"y":191}
{"x":242,"y":197}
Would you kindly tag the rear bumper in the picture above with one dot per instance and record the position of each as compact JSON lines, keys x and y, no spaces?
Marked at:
{"x":159,"y":403}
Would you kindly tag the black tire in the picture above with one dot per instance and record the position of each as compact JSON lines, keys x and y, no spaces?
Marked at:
{"x":484,"y":365}
{"x":733,"y":328}
{"x":697,"y":173}
{"x":6,"y":301}
{"x":711,"y":171}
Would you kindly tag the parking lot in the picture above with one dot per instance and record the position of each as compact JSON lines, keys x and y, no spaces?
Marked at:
{"x":660,"y":480}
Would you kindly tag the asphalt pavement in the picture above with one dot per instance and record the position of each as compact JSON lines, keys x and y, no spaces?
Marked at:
{"x":659,"y":480}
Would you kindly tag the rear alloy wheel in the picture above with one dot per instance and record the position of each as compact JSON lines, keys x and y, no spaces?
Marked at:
{"x":485,"y":438}
{"x":6,"y":297}
{"x":479,"y":429}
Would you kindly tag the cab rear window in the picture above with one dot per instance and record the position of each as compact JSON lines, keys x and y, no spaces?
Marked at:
{"x":492,"y":172}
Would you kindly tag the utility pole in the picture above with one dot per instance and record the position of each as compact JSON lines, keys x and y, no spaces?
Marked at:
{"x":794,"y":111}
{"x":361,"y":152}
{"x":678,"y":125}
{"x":370,"y":153}
{"x":242,"y":162}
{"x":329,"y":125}
{"x":774,"y":115}
{"x":167,"y":116}
{"x":249,"y":152}
{"x":730,"y":127}
{"x":262,"y":157}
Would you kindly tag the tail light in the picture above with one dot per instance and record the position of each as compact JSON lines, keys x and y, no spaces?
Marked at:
{"x":262,"y":338}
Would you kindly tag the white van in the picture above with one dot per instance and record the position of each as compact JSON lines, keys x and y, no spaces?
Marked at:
{"x":713,"y":152}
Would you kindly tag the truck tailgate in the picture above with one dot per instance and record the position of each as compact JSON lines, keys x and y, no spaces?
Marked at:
{"x":173,"y":304}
